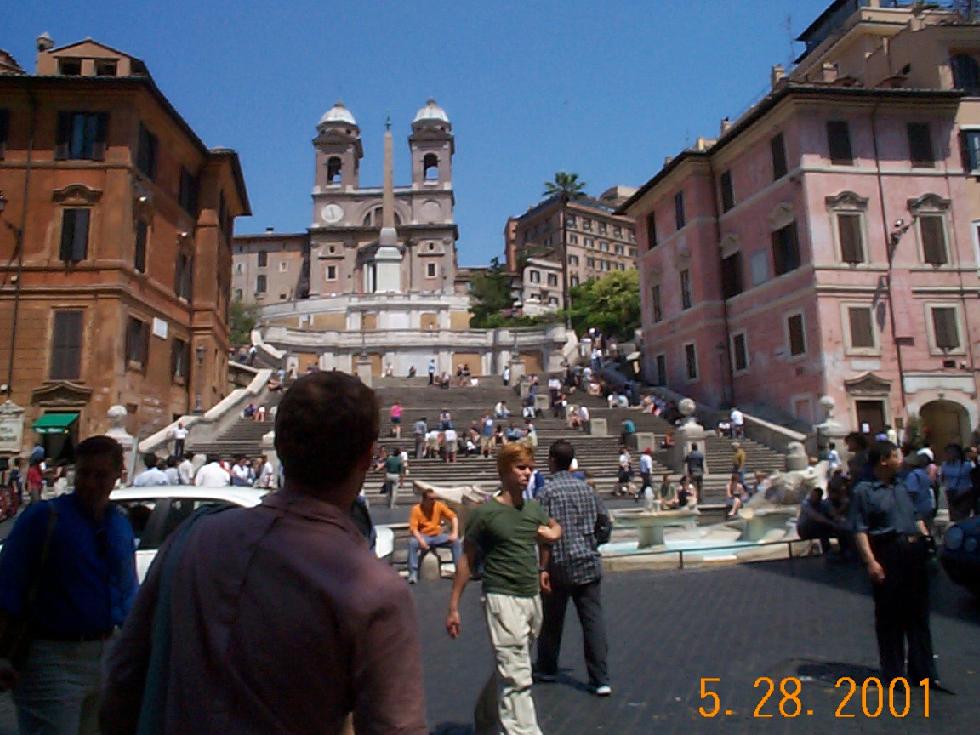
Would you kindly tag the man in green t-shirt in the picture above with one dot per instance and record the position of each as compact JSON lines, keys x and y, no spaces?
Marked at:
{"x":507,"y":530}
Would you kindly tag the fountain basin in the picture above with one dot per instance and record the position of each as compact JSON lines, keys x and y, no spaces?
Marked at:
{"x":650,"y":524}
{"x":761,"y":523}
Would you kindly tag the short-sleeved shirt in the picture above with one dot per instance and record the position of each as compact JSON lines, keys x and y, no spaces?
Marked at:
{"x":430,"y":525}
{"x":507,"y":536}
{"x":393,"y":465}
{"x":879,"y":509}
{"x":738,"y":461}
{"x":575,"y":556}
{"x":695,"y":463}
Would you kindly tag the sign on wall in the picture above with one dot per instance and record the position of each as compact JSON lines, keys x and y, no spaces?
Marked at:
{"x":11,"y":427}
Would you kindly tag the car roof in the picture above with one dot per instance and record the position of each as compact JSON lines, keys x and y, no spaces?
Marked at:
{"x":244,"y":496}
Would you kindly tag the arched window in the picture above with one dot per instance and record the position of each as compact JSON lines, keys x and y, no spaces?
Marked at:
{"x":375,"y":217}
{"x":333,"y":170}
{"x":430,"y":167}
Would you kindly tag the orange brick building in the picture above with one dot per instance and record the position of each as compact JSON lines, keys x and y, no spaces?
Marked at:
{"x":115,"y":247}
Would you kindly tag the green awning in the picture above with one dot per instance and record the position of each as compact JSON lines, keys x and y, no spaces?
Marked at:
{"x":54,"y":423}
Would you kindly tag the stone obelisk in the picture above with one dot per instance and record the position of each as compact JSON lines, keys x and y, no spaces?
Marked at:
{"x":388,"y":258}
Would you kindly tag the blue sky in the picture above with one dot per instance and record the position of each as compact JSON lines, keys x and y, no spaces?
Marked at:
{"x":605,"y":89}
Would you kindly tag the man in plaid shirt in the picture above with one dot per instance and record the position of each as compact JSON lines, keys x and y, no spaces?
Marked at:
{"x":574,"y":568}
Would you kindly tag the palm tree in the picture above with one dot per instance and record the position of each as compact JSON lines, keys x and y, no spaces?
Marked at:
{"x":566,"y":184}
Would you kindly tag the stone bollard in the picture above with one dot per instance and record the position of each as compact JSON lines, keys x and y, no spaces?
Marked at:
{"x":542,"y":402}
{"x":644,"y":440}
{"x":597,"y":427}
{"x":796,"y":457}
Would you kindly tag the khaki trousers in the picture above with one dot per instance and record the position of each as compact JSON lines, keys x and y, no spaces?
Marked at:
{"x":505,"y":703}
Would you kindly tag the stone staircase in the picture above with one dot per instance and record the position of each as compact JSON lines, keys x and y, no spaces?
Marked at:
{"x":597,"y":455}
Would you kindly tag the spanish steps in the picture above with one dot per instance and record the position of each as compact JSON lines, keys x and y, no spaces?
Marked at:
{"x":597,"y":455}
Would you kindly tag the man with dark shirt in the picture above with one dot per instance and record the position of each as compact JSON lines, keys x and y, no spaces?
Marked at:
{"x":68,"y":567}
{"x":694,"y":461}
{"x":893,"y":544}
{"x":574,"y":570}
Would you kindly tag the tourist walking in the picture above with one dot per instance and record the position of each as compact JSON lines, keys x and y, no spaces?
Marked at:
{"x":694,"y":462}
{"x":737,"y":419}
{"x":179,"y":435}
{"x":432,"y":370}
{"x":67,"y":581}
{"x":505,"y":531}
{"x":894,"y":546}
{"x":395,"y":415}
{"x":317,"y":626}
{"x":574,"y":569}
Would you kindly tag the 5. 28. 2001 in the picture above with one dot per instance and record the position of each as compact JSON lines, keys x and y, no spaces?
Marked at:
{"x":876,"y":698}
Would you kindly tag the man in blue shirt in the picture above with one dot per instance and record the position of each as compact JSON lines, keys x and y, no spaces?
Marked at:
{"x":69,"y":567}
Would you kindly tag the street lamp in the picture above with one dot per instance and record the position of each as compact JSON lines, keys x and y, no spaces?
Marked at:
{"x":19,"y":249}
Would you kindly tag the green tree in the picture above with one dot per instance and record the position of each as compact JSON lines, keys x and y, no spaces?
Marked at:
{"x":565,"y":183}
{"x":490,"y":295}
{"x":242,"y":320}
{"x":610,"y":303}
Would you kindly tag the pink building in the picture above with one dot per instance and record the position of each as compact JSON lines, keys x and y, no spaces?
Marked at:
{"x":822,"y":246}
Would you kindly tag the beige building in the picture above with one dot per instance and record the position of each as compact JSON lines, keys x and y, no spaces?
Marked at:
{"x":596,"y":240}
{"x":269,"y":267}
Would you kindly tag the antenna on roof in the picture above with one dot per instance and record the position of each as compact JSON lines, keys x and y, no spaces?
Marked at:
{"x":788,"y":27}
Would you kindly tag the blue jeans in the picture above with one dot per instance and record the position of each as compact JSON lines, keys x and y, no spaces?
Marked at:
{"x":58,"y":691}
{"x":442,"y":540}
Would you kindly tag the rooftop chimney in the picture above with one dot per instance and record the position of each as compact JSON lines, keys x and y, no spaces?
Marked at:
{"x":44,"y":42}
{"x":270,"y":229}
{"x":726,"y":125}
{"x":778,"y":74}
{"x":828,"y":73}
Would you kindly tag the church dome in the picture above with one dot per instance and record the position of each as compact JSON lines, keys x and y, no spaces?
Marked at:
{"x":431,"y":111}
{"x":338,"y":114}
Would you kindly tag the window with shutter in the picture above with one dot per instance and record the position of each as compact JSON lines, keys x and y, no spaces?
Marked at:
{"x":263,"y":258}
{"x":146,"y":155}
{"x":740,"y":352}
{"x":137,"y":342}
{"x":966,"y":73}
{"x":797,"y":337}
{"x":970,"y":141}
{"x":851,"y":237}
{"x":260,"y":284}
{"x":945,"y":328}
{"x":66,"y":345}
{"x":727,"y":191}
{"x":785,"y":249}
{"x":731,"y":275}
{"x":778,"y":147}
{"x":679,"y":216}
{"x":661,"y":370}
{"x":839,"y":142}
{"x":139,"y":249}
{"x":81,"y":135}
{"x":933,"y":239}
{"x":187,"y":193}
{"x":920,"y":145}
{"x":74,"y":234}
{"x":686,"y":299}
{"x":651,"y":231}
{"x":179,"y":359}
{"x":691,"y":361}
{"x":4,"y":131}
{"x":861,"y":327}
{"x":658,"y":313}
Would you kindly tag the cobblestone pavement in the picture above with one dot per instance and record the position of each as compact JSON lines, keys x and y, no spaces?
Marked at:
{"x":803,"y":618}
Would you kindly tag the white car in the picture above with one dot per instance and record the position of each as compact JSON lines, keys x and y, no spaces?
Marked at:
{"x":156,"y":511}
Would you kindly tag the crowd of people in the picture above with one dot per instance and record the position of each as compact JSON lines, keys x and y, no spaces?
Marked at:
{"x":242,"y":471}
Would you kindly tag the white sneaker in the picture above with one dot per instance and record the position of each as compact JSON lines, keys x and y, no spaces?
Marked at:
{"x":603,"y":690}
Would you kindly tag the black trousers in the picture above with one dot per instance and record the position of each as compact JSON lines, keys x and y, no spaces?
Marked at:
{"x":902,"y":608}
{"x":179,"y":448}
{"x":588,"y":604}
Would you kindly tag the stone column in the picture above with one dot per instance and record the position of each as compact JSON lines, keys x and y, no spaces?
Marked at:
{"x":689,"y":432}
{"x":516,"y":370}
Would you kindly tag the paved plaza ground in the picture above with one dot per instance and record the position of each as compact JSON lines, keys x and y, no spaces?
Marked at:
{"x":802,"y":618}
